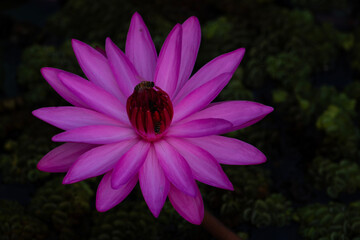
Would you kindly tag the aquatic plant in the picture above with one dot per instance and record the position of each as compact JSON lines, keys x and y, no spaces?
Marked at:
{"x":153,"y":124}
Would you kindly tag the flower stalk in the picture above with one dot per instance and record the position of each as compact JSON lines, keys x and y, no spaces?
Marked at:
{"x":217,"y":228}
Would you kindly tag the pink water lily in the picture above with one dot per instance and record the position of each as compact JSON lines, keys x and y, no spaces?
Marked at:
{"x":140,"y":118}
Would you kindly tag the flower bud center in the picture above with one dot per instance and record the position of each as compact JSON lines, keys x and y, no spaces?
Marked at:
{"x":150,"y":110}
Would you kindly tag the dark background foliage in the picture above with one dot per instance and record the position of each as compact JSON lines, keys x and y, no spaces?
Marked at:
{"x":302,"y":57}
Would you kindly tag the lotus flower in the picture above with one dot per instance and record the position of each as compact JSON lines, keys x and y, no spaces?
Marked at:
{"x":139,"y":118}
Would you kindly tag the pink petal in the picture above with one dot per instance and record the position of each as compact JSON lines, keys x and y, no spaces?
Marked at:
{"x":140,"y":48}
{"x":73,"y":117}
{"x":61,"y":158}
{"x":200,"y":128}
{"x":129,"y":164}
{"x":51,"y":76}
{"x":125,"y":73}
{"x":240,"y":113}
{"x":96,"y":68}
{"x":204,"y":167}
{"x":226,"y":63}
{"x":175,"y":167}
{"x":190,"y":46}
{"x":107,"y":197}
{"x":200,"y":97}
{"x":190,"y":208}
{"x":229,"y":150}
{"x":95,"y":97}
{"x":96,"y":134}
{"x":97,"y":161}
{"x":168,"y":65}
{"x":154,"y":185}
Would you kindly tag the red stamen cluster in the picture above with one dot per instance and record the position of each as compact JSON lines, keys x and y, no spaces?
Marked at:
{"x":150,"y":110}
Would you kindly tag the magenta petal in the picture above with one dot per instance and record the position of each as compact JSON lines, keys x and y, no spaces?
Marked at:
{"x":97,"y":161}
{"x":175,"y":168}
{"x":96,"y":68}
{"x":200,"y":128}
{"x":61,"y":158}
{"x":190,"y":208}
{"x":200,"y":97}
{"x":229,"y":150}
{"x":154,"y":185}
{"x":73,"y":117}
{"x":129,"y":164}
{"x":140,"y":48}
{"x":190,"y":46}
{"x":226,"y":63}
{"x":51,"y":76}
{"x":204,"y":166}
{"x":168,"y":65}
{"x":240,"y":113}
{"x":96,"y":134}
{"x":125,"y":73}
{"x":95,"y":97}
{"x":107,"y":197}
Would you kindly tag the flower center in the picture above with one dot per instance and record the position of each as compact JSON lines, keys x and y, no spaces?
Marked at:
{"x":150,"y":110}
